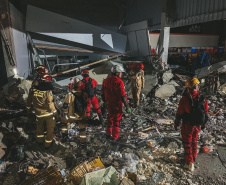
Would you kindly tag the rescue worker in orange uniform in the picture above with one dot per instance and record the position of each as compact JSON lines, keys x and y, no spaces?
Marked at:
{"x":191,"y":117}
{"x":114,"y":96}
{"x":75,"y":109}
{"x":89,"y":87}
{"x":41,"y":98}
{"x":137,"y":82}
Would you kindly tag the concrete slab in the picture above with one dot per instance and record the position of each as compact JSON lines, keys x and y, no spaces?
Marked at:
{"x":205,"y":71}
{"x":222,"y":154}
{"x":209,"y":166}
{"x":165,"y":91}
{"x":167,"y":76}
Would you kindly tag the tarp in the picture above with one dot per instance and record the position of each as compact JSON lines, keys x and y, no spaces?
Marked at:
{"x":108,"y":176}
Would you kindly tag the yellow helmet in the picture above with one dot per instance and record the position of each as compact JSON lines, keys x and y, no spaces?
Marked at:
{"x":191,"y":82}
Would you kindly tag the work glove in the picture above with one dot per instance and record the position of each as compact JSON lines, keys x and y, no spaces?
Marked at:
{"x":128,"y":110}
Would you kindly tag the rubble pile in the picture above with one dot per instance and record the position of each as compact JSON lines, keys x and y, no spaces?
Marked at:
{"x":149,"y":151}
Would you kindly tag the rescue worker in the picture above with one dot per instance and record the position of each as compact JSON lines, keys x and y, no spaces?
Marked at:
{"x":72,"y":82}
{"x":189,"y":129}
{"x":137,"y":83}
{"x":75,"y":109}
{"x":114,"y":96}
{"x":41,"y":98}
{"x":88,"y":86}
{"x":41,"y":70}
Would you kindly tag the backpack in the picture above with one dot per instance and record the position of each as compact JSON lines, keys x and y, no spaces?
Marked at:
{"x":89,"y":88}
{"x":79,"y":105}
{"x":197,"y":116}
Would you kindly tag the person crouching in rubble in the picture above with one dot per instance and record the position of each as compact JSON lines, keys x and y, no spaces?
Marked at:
{"x":41,"y":98}
{"x":75,"y":109}
{"x":113,"y":93}
{"x":137,"y":83}
{"x":192,"y":110}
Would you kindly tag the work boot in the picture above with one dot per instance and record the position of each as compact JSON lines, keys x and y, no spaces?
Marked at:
{"x":108,"y":137}
{"x":195,"y":163}
{"x":114,"y":141}
{"x":190,"y":166}
{"x":101,"y":119}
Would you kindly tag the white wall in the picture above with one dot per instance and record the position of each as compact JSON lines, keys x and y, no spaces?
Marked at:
{"x":186,"y":40}
{"x":20,"y":42}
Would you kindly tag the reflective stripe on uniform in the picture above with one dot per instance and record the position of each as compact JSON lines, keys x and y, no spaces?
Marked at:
{"x":64,"y":129}
{"x":66,"y":117}
{"x":44,"y":115}
{"x":48,"y":141}
{"x":73,"y":117}
{"x":40,"y":136}
{"x":82,"y":136}
{"x":48,"y":114}
{"x":28,"y":107}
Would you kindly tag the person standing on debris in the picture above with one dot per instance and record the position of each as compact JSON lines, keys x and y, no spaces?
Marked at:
{"x":137,"y":82}
{"x":75,"y":109}
{"x":114,"y":96}
{"x":192,"y":110}
{"x":41,"y":70}
{"x":41,"y":98}
{"x":89,"y":87}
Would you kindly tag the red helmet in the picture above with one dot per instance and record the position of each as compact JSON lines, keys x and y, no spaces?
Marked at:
{"x":42,"y":69}
{"x":85,"y":72}
{"x":141,"y":66}
{"x":45,"y":77}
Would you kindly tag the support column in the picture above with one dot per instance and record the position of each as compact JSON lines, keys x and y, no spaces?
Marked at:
{"x":164,"y":34}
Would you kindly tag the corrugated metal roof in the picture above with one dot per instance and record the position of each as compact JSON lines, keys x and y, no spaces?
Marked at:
{"x":198,"y":11}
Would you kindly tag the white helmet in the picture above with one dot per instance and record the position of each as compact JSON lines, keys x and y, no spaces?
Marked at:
{"x":117,"y":69}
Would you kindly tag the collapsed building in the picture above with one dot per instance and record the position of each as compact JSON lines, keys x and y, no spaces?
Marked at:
{"x":172,"y":46}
